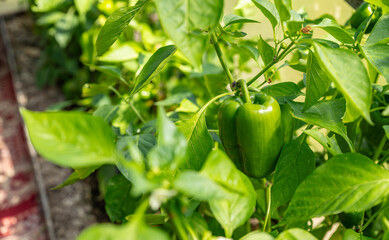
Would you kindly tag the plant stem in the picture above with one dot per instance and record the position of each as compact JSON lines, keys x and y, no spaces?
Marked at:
{"x":136,"y":112}
{"x":174,"y":215}
{"x":221,"y":57}
{"x":373,"y":217}
{"x":267,"y":224}
{"x":380,"y":147}
{"x":245,"y":91}
{"x":270,"y":64}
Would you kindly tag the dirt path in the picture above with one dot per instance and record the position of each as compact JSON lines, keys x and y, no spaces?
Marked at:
{"x":71,"y":207}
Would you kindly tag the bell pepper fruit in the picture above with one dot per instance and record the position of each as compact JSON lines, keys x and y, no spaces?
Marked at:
{"x":250,"y":130}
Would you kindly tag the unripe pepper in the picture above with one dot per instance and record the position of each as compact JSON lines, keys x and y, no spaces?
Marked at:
{"x":352,"y":220}
{"x":250,"y":130}
{"x":361,"y":13}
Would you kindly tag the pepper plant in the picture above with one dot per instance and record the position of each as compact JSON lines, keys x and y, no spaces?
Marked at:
{"x":218,"y":154}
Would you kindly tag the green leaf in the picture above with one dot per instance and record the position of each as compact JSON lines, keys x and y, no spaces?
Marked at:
{"x":349,"y":234}
{"x":230,"y":19}
{"x":153,"y":66}
{"x":42,"y":6}
{"x":77,"y":175}
{"x":115,"y":25}
{"x":326,"y":114}
{"x":111,"y":70}
{"x":283,"y":7}
{"x":172,"y":146}
{"x":121,"y":53}
{"x":380,"y":32}
{"x":216,"y":83}
{"x":84,"y":6}
{"x":328,"y":143}
{"x":199,"y":140}
{"x":378,"y":56}
{"x":235,"y":210}
{"x":350,"y":76}
{"x":295,"y":23}
{"x":283,"y":92}
{"x":71,"y":139}
{"x":119,"y":202}
{"x":200,"y":187}
{"x":106,"y":112}
{"x":330,"y":26}
{"x":257,"y":235}
{"x":386,"y":129}
{"x":269,"y":10}
{"x":181,"y":19}
{"x":345,"y":183}
{"x":317,"y":82}
{"x":296,"y":234}
{"x":65,"y":27}
{"x":266,"y":51}
{"x":136,"y":229}
{"x":295,"y":163}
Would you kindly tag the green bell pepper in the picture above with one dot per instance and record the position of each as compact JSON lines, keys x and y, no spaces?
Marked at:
{"x":251,"y":133}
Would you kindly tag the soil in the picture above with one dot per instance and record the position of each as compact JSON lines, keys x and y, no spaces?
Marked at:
{"x":72,"y":208}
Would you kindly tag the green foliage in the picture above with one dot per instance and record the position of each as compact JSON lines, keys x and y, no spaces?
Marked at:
{"x":147,"y":110}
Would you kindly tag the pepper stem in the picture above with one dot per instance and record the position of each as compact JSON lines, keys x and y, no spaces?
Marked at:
{"x":245,"y":91}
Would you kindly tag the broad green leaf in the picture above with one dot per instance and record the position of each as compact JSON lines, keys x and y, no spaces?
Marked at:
{"x":144,"y":141}
{"x":115,"y":25}
{"x":172,"y":146}
{"x":378,"y":56}
{"x":65,"y":27}
{"x":84,"y":6}
{"x":296,"y":234}
{"x":230,"y":19}
{"x":335,"y":30}
{"x":350,"y":76}
{"x":119,"y":203}
{"x":250,"y":50}
{"x":106,"y":112}
{"x":283,"y":7}
{"x":349,"y":234}
{"x":235,"y":210}
{"x":181,"y":20}
{"x":136,"y":229}
{"x":50,"y":18}
{"x":199,"y":140}
{"x":112,"y":71}
{"x":153,"y":66}
{"x":317,"y":82}
{"x":153,"y":219}
{"x":283,"y":92}
{"x":326,"y":114}
{"x":71,"y":139}
{"x":345,"y":183}
{"x":216,"y":83}
{"x":266,"y":51}
{"x":92,"y":89}
{"x":380,"y":32}
{"x":43,"y":6}
{"x":257,"y":235}
{"x":328,"y":143}
{"x":121,"y":53}
{"x":77,"y":175}
{"x":295,"y":23}
{"x":269,"y":10}
{"x":199,"y":186}
{"x":295,"y":163}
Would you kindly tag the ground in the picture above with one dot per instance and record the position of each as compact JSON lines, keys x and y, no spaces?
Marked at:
{"x":73,"y":208}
